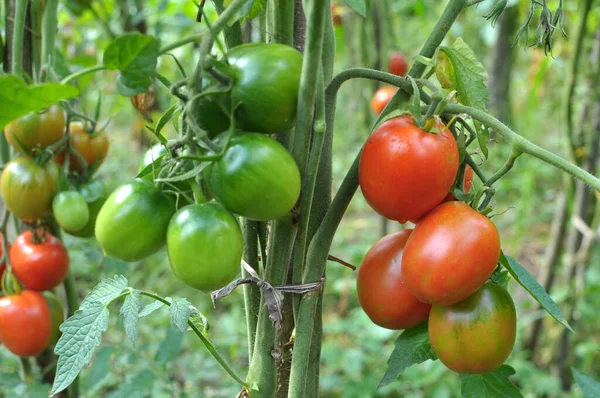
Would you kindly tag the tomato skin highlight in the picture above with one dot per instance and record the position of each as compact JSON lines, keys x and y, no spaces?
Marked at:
{"x":404,"y":172}
{"x":39,"y":266}
{"x":477,"y":334}
{"x":397,"y":64}
{"x":381,"y":291}
{"x":450,"y":254}
{"x":36,"y":129}
{"x":204,"y":244}
{"x":266,"y":84}
{"x":257,"y":178}
{"x":25,"y":323}
{"x":70,"y":210}
{"x":95,"y":195}
{"x":381,"y":98}
{"x":132,"y":223}
{"x":27,"y":189}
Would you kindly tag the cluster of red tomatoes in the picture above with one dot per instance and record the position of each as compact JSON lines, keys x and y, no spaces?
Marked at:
{"x":396,"y":65}
{"x":30,"y":187}
{"x":439,"y":271}
{"x":188,"y":204}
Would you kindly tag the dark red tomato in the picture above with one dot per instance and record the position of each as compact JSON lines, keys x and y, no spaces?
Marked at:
{"x":381,"y":98}
{"x":475,"y":335}
{"x":451,"y":253}
{"x":57,"y":315}
{"x":266,"y":84}
{"x":467,"y":184}
{"x":27,"y":189}
{"x":404,"y":172}
{"x":93,"y":148}
{"x":382,"y":293}
{"x":25,"y":323}
{"x":397,"y":64}
{"x":3,"y":264}
{"x":36,"y":129}
{"x":39,"y":265}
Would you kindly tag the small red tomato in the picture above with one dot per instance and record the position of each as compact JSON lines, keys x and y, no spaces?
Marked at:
{"x":450,"y":254}
{"x":404,"y":171}
{"x":381,"y":98}
{"x":39,"y":266}
{"x":382,"y":293}
{"x":25,"y":323}
{"x":397,"y":64}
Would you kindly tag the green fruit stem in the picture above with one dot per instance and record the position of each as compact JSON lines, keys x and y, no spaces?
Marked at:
{"x":17,"y":39}
{"x":49,"y":29}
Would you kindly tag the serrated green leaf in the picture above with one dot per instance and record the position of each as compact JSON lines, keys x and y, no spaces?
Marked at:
{"x":199,"y":321}
{"x":82,"y":333}
{"x":411,"y":347}
{"x":130,"y":315}
{"x":589,"y":386}
{"x":180,"y":313}
{"x":490,"y":385}
{"x":105,"y":291}
{"x":100,"y":367}
{"x":359,"y":6}
{"x":169,"y":348}
{"x":459,"y":69}
{"x":536,"y":290}
{"x":18,"y":99}
{"x":150,"y":308}
{"x":138,"y":387}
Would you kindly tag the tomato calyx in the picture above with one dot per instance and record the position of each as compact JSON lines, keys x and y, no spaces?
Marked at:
{"x":10,"y":285}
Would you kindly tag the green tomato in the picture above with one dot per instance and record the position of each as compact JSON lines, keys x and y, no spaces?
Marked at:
{"x":256,"y":178}
{"x":133,"y":222}
{"x":204,"y":243}
{"x":149,"y":157}
{"x":70,"y":210}
{"x":95,"y":195}
{"x":266,"y":83}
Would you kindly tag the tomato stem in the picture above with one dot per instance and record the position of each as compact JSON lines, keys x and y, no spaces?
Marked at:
{"x":82,"y":72}
{"x":182,"y":42}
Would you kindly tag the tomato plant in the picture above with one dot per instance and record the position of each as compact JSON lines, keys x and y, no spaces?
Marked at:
{"x":451,"y":253}
{"x":92,"y":147}
{"x":132,"y":223}
{"x":381,"y":98}
{"x":27,"y":189}
{"x":57,"y":316}
{"x":266,"y":81}
{"x":40,"y":262}
{"x":71,"y":210}
{"x":475,"y":335}
{"x":404,"y":172}
{"x":256,"y":178}
{"x":36,"y":129}
{"x":25,"y":323}
{"x":382,"y":293}
{"x":95,"y":195}
{"x":397,"y":64}
{"x":204,"y":243}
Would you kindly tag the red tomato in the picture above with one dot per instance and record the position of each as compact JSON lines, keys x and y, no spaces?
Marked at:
{"x":477,"y":334}
{"x":467,"y":184}
{"x":39,"y":266}
{"x":404,"y":172}
{"x":381,"y":98}
{"x":397,"y":64}
{"x":450,"y":255}
{"x":382,"y":293}
{"x":25,"y":323}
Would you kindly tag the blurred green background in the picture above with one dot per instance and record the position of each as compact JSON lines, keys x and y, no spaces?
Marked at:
{"x":355,"y":351}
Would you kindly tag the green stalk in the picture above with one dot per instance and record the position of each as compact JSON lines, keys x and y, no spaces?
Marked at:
{"x":83,"y":72}
{"x":251,"y":291}
{"x":17,"y":39}
{"x":232,"y":34}
{"x":282,"y":14}
{"x":182,"y":42}
{"x":36,"y":13}
{"x":49,"y":27}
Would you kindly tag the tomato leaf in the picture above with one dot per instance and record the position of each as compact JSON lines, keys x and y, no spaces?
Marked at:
{"x":130,"y":315}
{"x":135,"y":55}
{"x":180,"y":313}
{"x":199,"y":321}
{"x":589,"y":386}
{"x":411,"y":347}
{"x":169,"y":348}
{"x":138,"y":386}
{"x":459,"y":69}
{"x":150,"y":308}
{"x":18,"y":99}
{"x":105,"y":292}
{"x":490,"y":385}
{"x":359,"y":6}
{"x":536,"y":290}
{"x":82,"y":333}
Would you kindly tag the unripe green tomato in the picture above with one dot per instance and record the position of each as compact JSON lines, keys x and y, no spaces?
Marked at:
{"x":71,"y":210}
